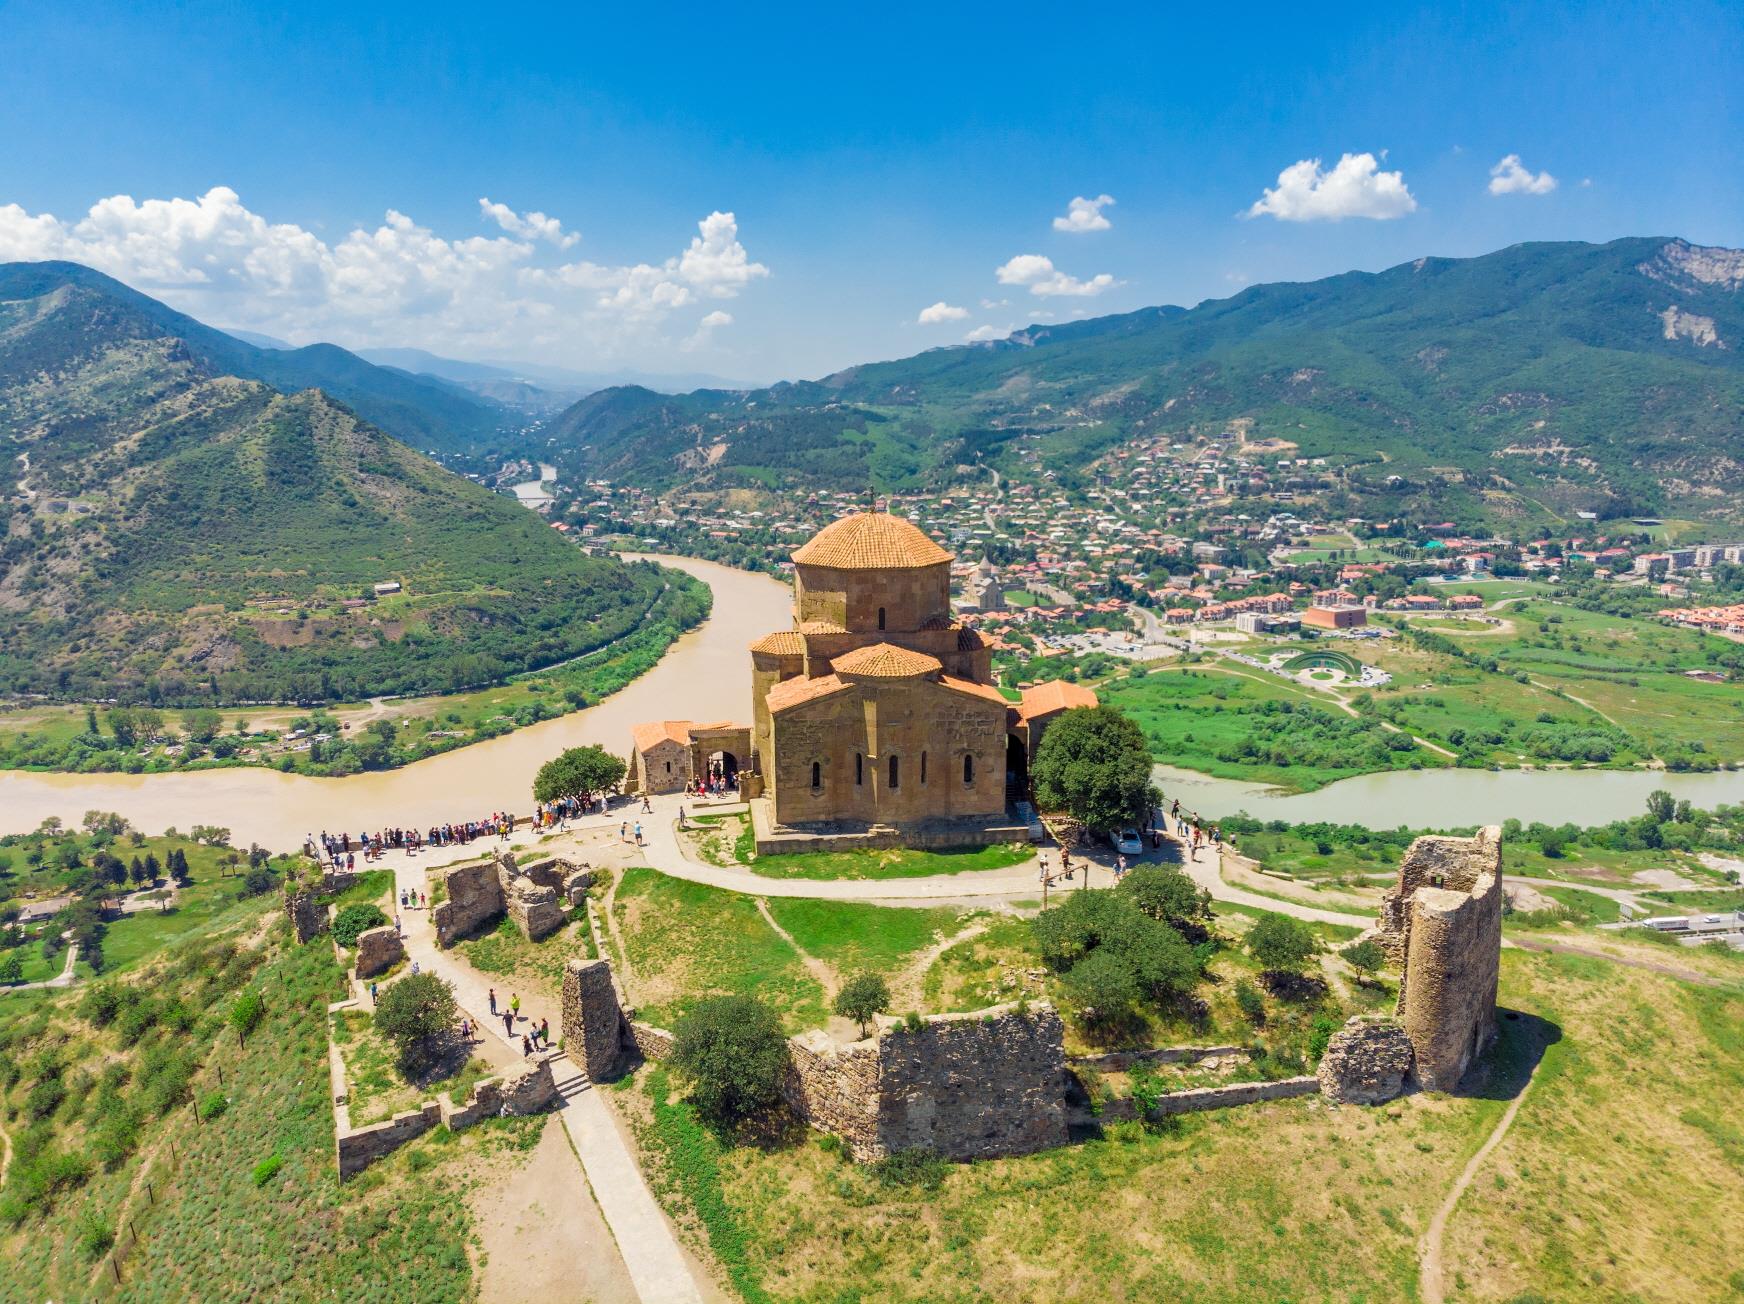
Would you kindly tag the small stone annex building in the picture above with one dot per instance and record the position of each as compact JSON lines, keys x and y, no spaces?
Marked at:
{"x":875,"y":721}
{"x":665,"y":755}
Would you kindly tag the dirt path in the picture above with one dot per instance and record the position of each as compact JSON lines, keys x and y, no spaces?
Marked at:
{"x":1651,"y":966}
{"x":824,"y":974}
{"x":906,"y":987}
{"x":63,"y":979}
{"x":536,"y":1240}
{"x":1430,"y":1268}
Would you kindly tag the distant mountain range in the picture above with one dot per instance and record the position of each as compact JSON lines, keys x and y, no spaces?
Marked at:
{"x":1533,"y":382}
{"x":196,"y":519}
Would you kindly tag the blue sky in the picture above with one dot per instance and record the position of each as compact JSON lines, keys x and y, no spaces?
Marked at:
{"x":875,"y":161}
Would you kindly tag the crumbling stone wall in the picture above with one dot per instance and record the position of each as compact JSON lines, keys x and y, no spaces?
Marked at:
{"x":1367,"y":1062}
{"x":974,"y":1086}
{"x":594,"y":1027}
{"x":526,"y":1088}
{"x":475,"y":897}
{"x":307,"y":915}
{"x":835,"y":1088}
{"x":534,"y":909}
{"x":1196,"y":1099}
{"x":1442,"y":925}
{"x":378,"y":950}
{"x":360,"y":1147}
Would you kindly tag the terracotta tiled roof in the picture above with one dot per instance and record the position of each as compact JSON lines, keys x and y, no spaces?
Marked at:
{"x":969,"y":640}
{"x":783,"y":642}
{"x":988,"y":691}
{"x":886,"y":661}
{"x":871,"y":541}
{"x":791,"y":692}
{"x":654,"y":732}
{"x":1055,"y":695}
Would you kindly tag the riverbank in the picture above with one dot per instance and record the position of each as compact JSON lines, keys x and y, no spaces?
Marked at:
{"x":704,"y":674}
{"x":340,"y":740}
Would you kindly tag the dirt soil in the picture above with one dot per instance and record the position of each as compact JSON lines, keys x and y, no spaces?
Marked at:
{"x":538,"y":1241}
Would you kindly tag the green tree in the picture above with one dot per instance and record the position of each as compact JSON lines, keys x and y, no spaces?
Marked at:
{"x":415,"y":1014}
{"x":121,"y":724}
{"x":1660,"y":806}
{"x":1094,"y":765}
{"x":11,"y":968}
{"x":258,"y":879}
{"x":355,"y":919}
{"x":578,"y":772}
{"x":1366,"y":957}
{"x":139,"y":873}
{"x":1165,"y":892}
{"x":1282,"y":945}
{"x":731,"y":1050}
{"x":201,"y":723}
{"x":861,"y":997}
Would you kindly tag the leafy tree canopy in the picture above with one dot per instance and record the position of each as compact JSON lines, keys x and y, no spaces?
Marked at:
{"x":1281,"y":944}
{"x":861,"y":997}
{"x":578,"y":772}
{"x":1094,"y":764}
{"x":416,"y":1011}
{"x":732,"y":1051}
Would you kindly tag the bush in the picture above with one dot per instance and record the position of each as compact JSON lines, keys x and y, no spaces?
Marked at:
{"x":258,"y":879}
{"x":1366,"y":957}
{"x":1164,"y":892}
{"x":731,"y":1050}
{"x":44,"y":1098}
{"x":246,"y":1012}
{"x":267,"y":1169}
{"x":861,"y":997}
{"x":99,"y":1004}
{"x":1249,"y":1001}
{"x":911,"y":1169}
{"x":213,"y":1104}
{"x":355,"y":919}
{"x":415,"y":1013}
{"x":1282,"y":945}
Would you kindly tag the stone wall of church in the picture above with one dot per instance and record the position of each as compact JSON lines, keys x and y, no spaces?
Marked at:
{"x":853,"y":598}
{"x":925,"y":726}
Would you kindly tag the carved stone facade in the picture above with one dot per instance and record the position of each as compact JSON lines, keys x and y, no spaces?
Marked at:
{"x":1442,"y":926}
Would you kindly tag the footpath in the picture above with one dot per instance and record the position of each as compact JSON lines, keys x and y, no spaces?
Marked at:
{"x":657,"y":1265}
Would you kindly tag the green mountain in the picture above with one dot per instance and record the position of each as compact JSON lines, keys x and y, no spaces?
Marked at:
{"x":185,"y":534}
{"x":419,"y":410}
{"x":1539,"y":380}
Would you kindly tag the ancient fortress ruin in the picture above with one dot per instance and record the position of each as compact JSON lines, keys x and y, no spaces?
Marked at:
{"x":1441,"y":927}
{"x":534,"y":895}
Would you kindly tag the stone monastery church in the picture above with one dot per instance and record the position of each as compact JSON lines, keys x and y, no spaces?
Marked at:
{"x":875,"y":719}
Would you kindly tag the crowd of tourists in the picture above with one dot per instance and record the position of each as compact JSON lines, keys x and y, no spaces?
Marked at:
{"x":341,"y":850}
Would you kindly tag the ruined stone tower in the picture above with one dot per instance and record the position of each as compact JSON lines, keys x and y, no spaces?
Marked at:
{"x":1442,"y":926}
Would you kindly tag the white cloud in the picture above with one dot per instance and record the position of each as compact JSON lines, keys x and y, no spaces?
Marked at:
{"x":996,"y":303}
{"x":396,"y":283}
{"x":987,"y":333}
{"x":1354,"y":188}
{"x":941,"y":312}
{"x":1041,"y":276}
{"x":534,"y":225}
{"x":1085,"y":215}
{"x":706,"y":328}
{"x":1511,"y":177}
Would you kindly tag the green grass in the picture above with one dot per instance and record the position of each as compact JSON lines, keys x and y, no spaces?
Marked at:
{"x":1021,"y":598}
{"x":685,"y":941}
{"x":378,"y":1087}
{"x":892,"y":863}
{"x":851,"y":935}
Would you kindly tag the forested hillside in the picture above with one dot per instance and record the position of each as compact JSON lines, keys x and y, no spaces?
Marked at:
{"x":186,"y":536}
{"x":1574,"y":373}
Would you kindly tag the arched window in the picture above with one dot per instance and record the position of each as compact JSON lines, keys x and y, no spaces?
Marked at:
{"x":669,"y":767}
{"x":881,"y":618}
{"x":968,"y":767}
{"x":923,"y":767}
{"x":817,"y":775}
{"x":895,"y":774}
{"x":859,"y":769}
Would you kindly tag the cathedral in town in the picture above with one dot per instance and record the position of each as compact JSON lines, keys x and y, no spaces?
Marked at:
{"x":875,"y":721}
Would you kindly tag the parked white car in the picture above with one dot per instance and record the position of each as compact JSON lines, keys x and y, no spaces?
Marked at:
{"x":1127,"y":842}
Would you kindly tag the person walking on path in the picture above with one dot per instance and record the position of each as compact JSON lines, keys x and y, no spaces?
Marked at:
{"x":638,"y":833}
{"x":493,"y":1002}
{"x":545,"y":1033}
{"x":526,"y":1045}
{"x":466,"y":1031}
{"x":624,"y":831}
{"x":508,"y":1025}
{"x":372,"y":993}
{"x":515,"y":1004}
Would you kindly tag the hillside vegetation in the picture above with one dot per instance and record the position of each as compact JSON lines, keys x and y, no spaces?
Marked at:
{"x":1606,"y":377}
{"x":190,"y":537}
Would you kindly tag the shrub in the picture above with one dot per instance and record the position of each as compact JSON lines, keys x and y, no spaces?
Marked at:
{"x":267,"y":1169}
{"x":1249,"y":1001}
{"x":1282,"y":945}
{"x":912,"y":1169}
{"x":99,"y":1004}
{"x":213,"y":1104}
{"x":11,"y":968}
{"x":94,"y":1235}
{"x":1319,"y":1033}
{"x":1164,"y":892}
{"x":1366,"y":957}
{"x":44,"y":1098}
{"x":258,"y":879}
{"x":731,"y":1050}
{"x":355,"y":919}
{"x":861,"y":997}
